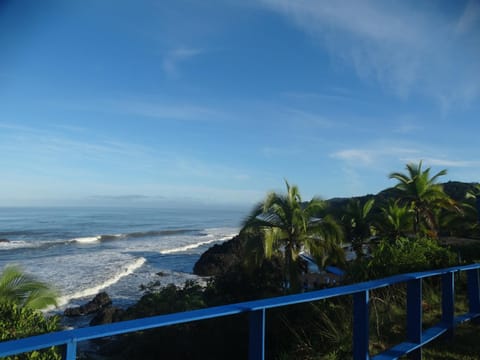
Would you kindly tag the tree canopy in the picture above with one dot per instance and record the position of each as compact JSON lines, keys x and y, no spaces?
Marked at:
{"x":288,"y":226}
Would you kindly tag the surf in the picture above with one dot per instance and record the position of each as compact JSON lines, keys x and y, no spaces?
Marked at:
{"x":127,"y":270}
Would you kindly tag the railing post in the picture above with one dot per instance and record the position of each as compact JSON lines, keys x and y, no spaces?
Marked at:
{"x":473,"y":291}
{"x":256,"y":346}
{"x":71,"y":351}
{"x":414,"y":316}
{"x":448,"y":301}
{"x":361,"y":334}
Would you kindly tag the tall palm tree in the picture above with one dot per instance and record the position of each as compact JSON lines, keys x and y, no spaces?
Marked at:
{"x":288,"y":226}
{"x":395,"y":220}
{"x":423,"y":194}
{"x":357,"y":222}
{"x":23,"y":290}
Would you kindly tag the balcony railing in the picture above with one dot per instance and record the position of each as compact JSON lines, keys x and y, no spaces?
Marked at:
{"x":416,"y":337}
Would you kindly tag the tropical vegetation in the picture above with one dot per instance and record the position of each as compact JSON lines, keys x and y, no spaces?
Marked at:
{"x":21,"y":298}
{"x":288,"y":226}
{"x":357,"y":222}
{"x":24,"y":290}
{"x":404,"y":227}
{"x":423,"y":195}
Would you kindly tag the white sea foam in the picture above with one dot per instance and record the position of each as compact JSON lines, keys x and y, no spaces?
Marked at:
{"x":87,"y":239}
{"x":17,"y":244}
{"x":127,"y":270}
{"x":196,"y":245}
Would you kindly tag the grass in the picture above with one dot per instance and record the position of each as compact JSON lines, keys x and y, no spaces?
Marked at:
{"x":389,"y":323}
{"x":464,"y":345}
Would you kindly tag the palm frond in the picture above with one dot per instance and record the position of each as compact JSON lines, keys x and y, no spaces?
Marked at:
{"x":24,"y":290}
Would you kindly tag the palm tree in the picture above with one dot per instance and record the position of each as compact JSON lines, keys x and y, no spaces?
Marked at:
{"x":423,"y":195}
{"x":395,"y":220}
{"x":357,"y":221}
{"x":466,"y":220}
{"x":23,"y":290}
{"x":288,"y":226}
{"x":473,"y":197}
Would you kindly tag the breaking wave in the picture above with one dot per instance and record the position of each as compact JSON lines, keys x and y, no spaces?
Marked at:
{"x":127,"y":270}
{"x":194,"y":245}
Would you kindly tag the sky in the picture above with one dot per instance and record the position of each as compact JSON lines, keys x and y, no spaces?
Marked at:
{"x":142,"y":103}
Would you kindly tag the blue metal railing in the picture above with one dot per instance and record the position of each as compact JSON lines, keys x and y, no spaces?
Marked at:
{"x":416,"y":337}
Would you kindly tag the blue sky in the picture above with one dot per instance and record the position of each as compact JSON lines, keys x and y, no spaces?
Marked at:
{"x":217,"y":102}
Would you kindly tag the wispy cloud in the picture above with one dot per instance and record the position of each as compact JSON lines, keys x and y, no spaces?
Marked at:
{"x":175,"y":57}
{"x":358,"y":156}
{"x":280,"y":151}
{"x":335,"y":94}
{"x":445,"y":162}
{"x":376,"y":155}
{"x":470,"y":17}
{"x":160,"y":110}
{"x":146,"y":106}
{"x":387,"y":154}
{"x":407,"y":50}
{"x":308,"y":118}
{"x":86,"y":164}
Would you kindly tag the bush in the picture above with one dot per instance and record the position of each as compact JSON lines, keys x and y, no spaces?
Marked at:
{"x":402,"y":256}
{"x":18,"y":322}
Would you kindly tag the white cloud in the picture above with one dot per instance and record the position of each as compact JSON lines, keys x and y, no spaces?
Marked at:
{"x":406,"y":49}
{"x":388,"y":155}
{"x":176,"y":56}
{"x":357,"y":156}
{"x":430,"y":161}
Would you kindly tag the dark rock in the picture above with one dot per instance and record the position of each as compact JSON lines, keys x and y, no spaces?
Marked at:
{"x":4,"y":241}
{"x":107,"y":315}
{"x":99,"y":302}
{"x":220,"y":257}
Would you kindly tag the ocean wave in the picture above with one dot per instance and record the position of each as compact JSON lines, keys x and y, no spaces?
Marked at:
{"x":163,"y":233}
{"x":15,"y":244}
{"x":87,"y":239}
{"x":134,"y":235}
{"x":195,"y":245}
{"x":129,"y":269}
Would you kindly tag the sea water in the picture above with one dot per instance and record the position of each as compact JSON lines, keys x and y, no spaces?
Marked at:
{"x":82,"y":251}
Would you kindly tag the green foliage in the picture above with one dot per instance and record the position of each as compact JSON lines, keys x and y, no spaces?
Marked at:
{"x":168,"y":300}
{"x":424,"y":196}
{"x":467,"y":253}
{"x":244,"y":283}
{"x":18,"y":322}
{"x":395,"y":220}
{"x":465,"y":221}
{"x":21,"y":289}
{"x":357,"y":222}
{"x":402,"y":256}
{"x":289,"y":225}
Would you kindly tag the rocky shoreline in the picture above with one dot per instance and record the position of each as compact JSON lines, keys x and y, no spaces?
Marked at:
{"x":214,"y":261}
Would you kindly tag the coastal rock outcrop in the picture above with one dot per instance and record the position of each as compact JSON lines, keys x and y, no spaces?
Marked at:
{"x":107,"y":315}
{"x":4,"y":241}
{"x":100,"y":301}
{"x":220,"y":257}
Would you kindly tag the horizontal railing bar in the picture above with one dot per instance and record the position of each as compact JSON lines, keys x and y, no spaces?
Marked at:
{"x":405,"y":348}
{"x":466,"y":317}
{"x":12,"y":347}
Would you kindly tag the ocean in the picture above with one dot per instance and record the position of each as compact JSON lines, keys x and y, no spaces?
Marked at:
{"x":82,"y":251}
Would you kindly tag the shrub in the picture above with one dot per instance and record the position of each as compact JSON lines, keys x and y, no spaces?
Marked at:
{"x":402,"y":256}
{"x":18,"y":322}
